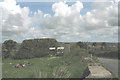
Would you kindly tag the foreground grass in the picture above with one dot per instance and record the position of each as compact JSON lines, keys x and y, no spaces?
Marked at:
{"x":43,"y":66}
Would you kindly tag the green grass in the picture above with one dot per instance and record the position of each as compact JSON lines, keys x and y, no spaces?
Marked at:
{"x":45,"y":65}
{"x":95,"y":58}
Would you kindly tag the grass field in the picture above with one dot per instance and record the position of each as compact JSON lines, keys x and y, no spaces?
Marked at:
{"x":43,"y":67}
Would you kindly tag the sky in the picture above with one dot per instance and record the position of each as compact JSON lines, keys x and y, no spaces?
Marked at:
{"x":64,"y":21}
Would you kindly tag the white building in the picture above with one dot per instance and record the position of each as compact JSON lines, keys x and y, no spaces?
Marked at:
{"x":52,"y":48}
{"x":60,"y":48}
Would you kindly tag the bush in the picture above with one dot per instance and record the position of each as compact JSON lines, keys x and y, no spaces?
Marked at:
{"x":77,"y":51}
{"x":82,"y":45}
{"x":35,"y":48}
{"x":7,"y":47}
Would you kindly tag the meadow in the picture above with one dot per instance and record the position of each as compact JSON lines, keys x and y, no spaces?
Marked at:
{"x":36,"y":52}
{"x":46,"y":67}
{"x":69,"y":65}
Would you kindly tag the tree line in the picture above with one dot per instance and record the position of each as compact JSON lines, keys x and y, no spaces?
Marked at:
{"x":28,"y":48}
{"x":36,"y":48}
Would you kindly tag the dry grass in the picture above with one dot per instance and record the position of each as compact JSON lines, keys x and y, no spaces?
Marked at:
{"x":58,"y":72}
{"x":40,"y":74}
{"x":61,"y":72}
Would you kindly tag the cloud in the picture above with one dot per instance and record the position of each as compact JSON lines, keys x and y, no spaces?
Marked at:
{"x":16,"y":22}
{"x":69,"y":24}
{"x":62,"y":9}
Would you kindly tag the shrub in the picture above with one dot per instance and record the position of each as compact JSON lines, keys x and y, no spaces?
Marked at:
{"x":7,"y":48}
{"x":82,"y":45}
{"x":35,"y":48}
{"x":77,"y":51}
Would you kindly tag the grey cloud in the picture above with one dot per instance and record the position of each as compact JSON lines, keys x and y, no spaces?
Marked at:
{"x":88,"y":26}
{"x":100,"y":23}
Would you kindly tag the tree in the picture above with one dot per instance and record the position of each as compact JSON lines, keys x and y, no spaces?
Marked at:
{"x":35,"y":48}
{"x":7,"y":47}
{"x":82,"y":45}
{"x":103,"y":45}
{"x":94,"y":44}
